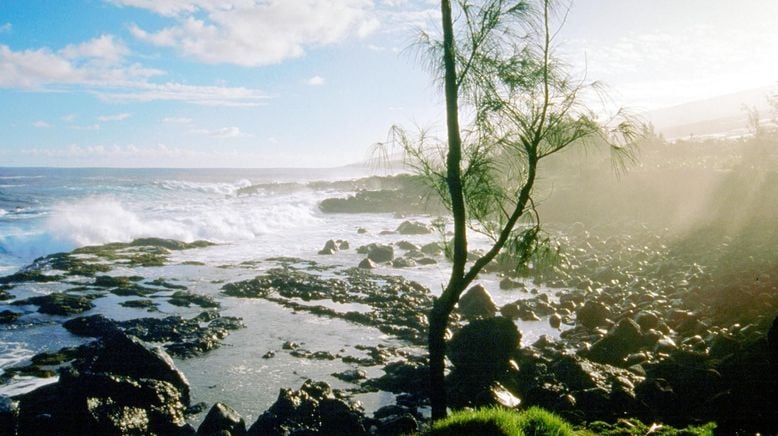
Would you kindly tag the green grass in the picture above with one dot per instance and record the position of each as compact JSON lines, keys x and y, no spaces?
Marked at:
{"x":633,"y":427}
{"x":494,"y":421}
{"x":538,"y":422}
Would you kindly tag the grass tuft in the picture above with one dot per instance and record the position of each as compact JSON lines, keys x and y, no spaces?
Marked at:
{"x":495,"y":421}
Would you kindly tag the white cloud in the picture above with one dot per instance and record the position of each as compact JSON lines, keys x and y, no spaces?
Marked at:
{"x":7,"y":27}
{"x":202,"y":95}
{"x":315,"y":81}
{"x":249,"y":33}
{"x":663,"y":68}
{"x":223,"y":133}
{"x":177,"y":120}
{"x":40,"y":124}
{"x":31,"y":68}
{"x":68,"y":118}
{"x":116,"y":117}
{"x":97,"y":67}
{"x":101,"y":49}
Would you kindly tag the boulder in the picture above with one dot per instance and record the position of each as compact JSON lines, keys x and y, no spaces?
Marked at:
{"x":413,"y":228}
{"x":380,"y":253}
{"x":351,"y":375}
{"x":59,"y":303}
{"x":103,"y":403}
{"x":313,"y":409}
{"x":92,"y":326}
{"x":592,"y":314}
{"x":222,"y":420}
{"x":403,"y":376}
{"x":509,"y":283}
{"x":332,"y":246}
{"x":484,"y":346}
{"x":477,"y":302}
{"x":647,"y":320}
{"x":122,"y":354}
{"x":432,"y":249}
{"x":407,"y":246}
{"x":8,"y":317}
{"x":403,"y":262}
{"x":366,"y":264}
{"x":397,"y":424}
{"x":622,"y":340}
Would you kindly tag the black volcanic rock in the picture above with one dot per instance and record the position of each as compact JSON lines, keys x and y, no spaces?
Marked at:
{"x":314,"y":409}
{"x":117,"y":385}
{"x":222,"y":420}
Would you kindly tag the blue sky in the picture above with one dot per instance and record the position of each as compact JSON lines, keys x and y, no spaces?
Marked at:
{"x":270,"y":83}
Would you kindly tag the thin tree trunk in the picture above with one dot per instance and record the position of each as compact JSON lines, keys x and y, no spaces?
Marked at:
{"x":438,"y":317}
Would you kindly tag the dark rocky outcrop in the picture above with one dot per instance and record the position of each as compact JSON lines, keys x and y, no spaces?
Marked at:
{"x":222,"y":420}
{"x":397,"y":306}
{"x":622,"y":340}
{"x":332,"y":246}
{"x":484,"y":346}
{"x":117,"y":385}
{"x":182,"y":337}
{"x":380,"y":253}
{"x":593,"y":314}
{"x":413,"y":228}
{"x":8,"y":316}
{"x":59,"y":303}
{"x":314,"y":408}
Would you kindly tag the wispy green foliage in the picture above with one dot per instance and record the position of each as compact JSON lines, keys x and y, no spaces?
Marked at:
{"x":519,"y":105}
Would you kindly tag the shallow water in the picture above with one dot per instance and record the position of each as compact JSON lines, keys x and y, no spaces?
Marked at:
{"x":56,"y":210}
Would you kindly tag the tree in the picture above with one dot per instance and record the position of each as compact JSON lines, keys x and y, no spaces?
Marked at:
{"x":520,"y":107}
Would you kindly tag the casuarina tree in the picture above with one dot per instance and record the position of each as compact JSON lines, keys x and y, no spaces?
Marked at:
{"x":509,"y":105}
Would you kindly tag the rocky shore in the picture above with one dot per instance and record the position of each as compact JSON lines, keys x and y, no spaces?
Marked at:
{"x":649,"y":331}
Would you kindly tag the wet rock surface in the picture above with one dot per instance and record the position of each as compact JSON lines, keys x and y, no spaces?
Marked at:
{"x":60,"y":303}
{"x":314,"y":408}
{"x":396,"y":306}
{"x":393,"y":194}
{"x":182,"y":337}
{"x":222,"y":420}
{"x":117,"y":385}
{"x":413,"y":228}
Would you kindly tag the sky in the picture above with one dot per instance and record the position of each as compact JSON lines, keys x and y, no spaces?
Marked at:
{"x":313,"y":83}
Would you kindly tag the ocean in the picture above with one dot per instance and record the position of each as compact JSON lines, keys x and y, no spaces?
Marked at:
{"x":251,"y":215}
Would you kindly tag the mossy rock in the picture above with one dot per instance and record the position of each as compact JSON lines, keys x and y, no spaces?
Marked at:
{"x":59,"y":303}
{"x":147,"y":304}
{"x":185,"y":298}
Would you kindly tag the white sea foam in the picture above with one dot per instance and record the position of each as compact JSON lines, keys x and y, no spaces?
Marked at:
{"x":210,"y":188}
{"x":13,"y":353}
{"x":98,"y":220}
{"x":20,"y":177}
{"x":3,"y":212}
